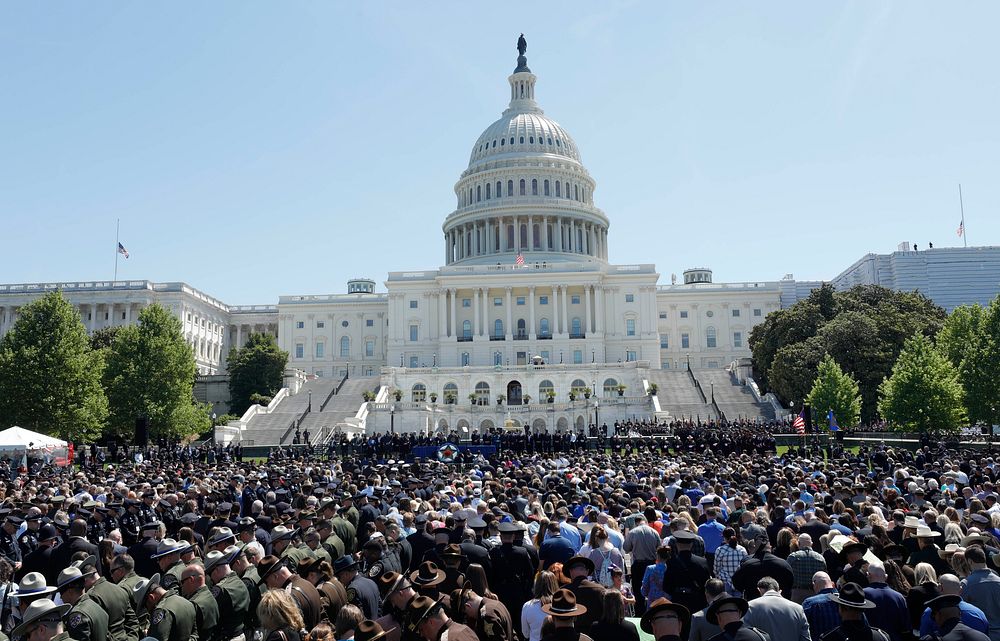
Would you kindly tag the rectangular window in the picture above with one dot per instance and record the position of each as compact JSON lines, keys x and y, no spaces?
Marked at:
{"x":574,"y":299}
{"x":710,"y":340}
{"x":630,"y":327}
{"x":466,"y":302}
{"x":520,"y":300}
{"x":465,"y":359}
{"x":756,"y":312}
{"x":543,"y":300}
{"x":369,"y":323}
{"x":369,"y":348}
{"x":577,"y":356}
{"x":664,"y":342}
{"x":300,"y":350}
{"x":319,"y":373}
{"x":684,"y":314}
{"x":300,"y":325}
{"x":498,"y":302}
{"x":545,"y":355}
{"x":665,"y":365}
{"x":413,"y":362}
{"x":319,"y":350}
{"x":413,"y":304}
{"x":736,"y":313}
{"x":630,"y":355}
{"x":685,"y":341}
{"x":320,"y":324}
{"x":737,"y":339}
{"x":663,"y":316}
{"x":413,"y":332}
{"x":629,"y":298}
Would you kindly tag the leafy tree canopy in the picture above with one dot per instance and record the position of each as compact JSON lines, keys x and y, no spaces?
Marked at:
{"x":979,"y":369}
{"x":863,"y":329}
{"x":923,"y":394}
{"x":834,"y":390}
{"x":255,"y":369}
{"x":50,"y":379}
{"x":150,"y":373}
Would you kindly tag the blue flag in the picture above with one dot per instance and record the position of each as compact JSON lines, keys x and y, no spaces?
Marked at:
{"x":833,"y":421}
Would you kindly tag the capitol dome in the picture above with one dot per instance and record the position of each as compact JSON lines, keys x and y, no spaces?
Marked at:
{"x":525,"y":191}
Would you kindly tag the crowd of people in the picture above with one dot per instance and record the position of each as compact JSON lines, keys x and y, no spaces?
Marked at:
{"x":702,"y":533}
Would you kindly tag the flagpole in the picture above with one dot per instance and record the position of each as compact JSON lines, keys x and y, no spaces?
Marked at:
{"x":118,"y":222}
{"x":965,"y":232}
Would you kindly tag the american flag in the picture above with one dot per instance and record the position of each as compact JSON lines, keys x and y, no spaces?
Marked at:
{"x":519,"y":261}
{"x":961,"y":228}
{"x":122,"y":250}
{"x":800,"y":424}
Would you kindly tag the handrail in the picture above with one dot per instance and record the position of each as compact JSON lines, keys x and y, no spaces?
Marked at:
{"x":697,"y":384}
{"x":333,"y":392}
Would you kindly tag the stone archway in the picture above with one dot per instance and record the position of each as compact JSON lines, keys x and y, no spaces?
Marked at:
{"x":580,"y":422}
{"x":539,"y":426}
{"x":562,"y":424}
{"x":514,"y":393}
{"x":442,"y":426}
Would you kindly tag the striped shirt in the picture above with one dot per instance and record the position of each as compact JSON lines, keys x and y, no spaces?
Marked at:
{"x":727,"y":561}
{"x":804,"y":564}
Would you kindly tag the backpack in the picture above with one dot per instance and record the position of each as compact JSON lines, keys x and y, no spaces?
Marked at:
{"x":603,"y":574}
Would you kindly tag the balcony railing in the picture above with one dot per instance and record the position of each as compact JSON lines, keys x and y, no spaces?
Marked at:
{"x":494,"y":337}
{"x":545,"y":337}
{"x":578,"y":336}
{"x":521,"y":336}
{"x":464,"y":339}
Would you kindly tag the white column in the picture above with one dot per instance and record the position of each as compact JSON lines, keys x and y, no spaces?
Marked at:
{"x":442,"y":319}
{"x":475,"y":312}
{"x":128,"y":313}
{"x":531,"y":233}
{"x":599,"y":309}
{"x":507,"y":330}
{"x":531,"y":313}
{"x":454,"y":313}
{"x":544,"y":233}
{"x":565,"y":309}
{"x":239,"y":335}
{"x":517,"y":235}
{"x":587,"y":327}
{"x":484,"y":328}
{"x":556,"y":314}
{"x":93,"y":317}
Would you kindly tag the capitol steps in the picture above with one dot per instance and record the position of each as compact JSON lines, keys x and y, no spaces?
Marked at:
{"x":679,"y":396}
{"x":735,"y":400}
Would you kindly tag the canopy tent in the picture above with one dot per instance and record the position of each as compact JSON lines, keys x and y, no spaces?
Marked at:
{"x":18,"y":438}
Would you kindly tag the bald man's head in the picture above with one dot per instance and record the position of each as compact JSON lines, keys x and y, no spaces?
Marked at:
{"x":821,"y":581}
{"x":950,"y":584}
{"x":192,"y":579}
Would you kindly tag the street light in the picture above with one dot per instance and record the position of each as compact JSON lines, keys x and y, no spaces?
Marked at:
{"x":689,"y":361}
{"x":593,"y":356}
{"x":712,"y":383}
{"x":392,"y":418}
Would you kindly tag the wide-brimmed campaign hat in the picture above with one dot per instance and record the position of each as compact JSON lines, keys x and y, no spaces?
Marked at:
{"x":851,"y":596}
{"x":166,"y":547}
{"x":427,"y":574}
{"x":213,"y":559}
{"x":421,"y":607}
{"x":563,"y":605}
{"x":267,"y":567}
{"x":713,"y":610}
{"x":224,"y":534}
{"x":368,"y":630}
{"x":143,"y":587}
{"x":69,"y":576}
{"x":344,"y":563}
{"x":38,"y":611}
{"x":579,"y":560}
{"x":33,"y":584}
{"x":391,"y":582}
{"x":663,"y":604}
{"x":924,"y":532}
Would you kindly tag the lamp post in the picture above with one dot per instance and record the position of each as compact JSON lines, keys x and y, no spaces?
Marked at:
{"x":213,"y":428}
{"x":400,"y":359}
{"x":560,"y":357}
{"x":593,"y":356}
{"x":689,"y":361}
{"x":392,"y":418}
{"x":434,"y":360}
{"x":712,"y":383}
{"x":310,"y":407}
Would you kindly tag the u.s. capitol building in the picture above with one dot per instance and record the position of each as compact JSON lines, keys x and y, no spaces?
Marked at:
{"x":525,"y":305}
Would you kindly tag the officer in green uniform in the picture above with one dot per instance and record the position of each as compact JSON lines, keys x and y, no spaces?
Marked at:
{"x":123,"y":573}
{"x":230,"y":593}
{"x":247,"y":571}
{"x":168,"y":556}
{"x":42,"y":620}
{"x":172,"y":617}
{"x":206,"y":608}
{"x":86,"y":621}
{"x":346,"y":531}
{"x":330,"y":541}
{"x":312,"y":540}
{"x":283,"y":545}
{"x":122,"y":622}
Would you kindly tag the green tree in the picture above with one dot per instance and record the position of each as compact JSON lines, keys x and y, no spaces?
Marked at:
{"x":102,"y":338}
{"x":923,"y":394}
{"x":795,"y":367}
{"x":980,"y":369}
{"x":150,"y":373}
{"x":837,"y":391}
{"x":50,"y":379}
{"x":255,"y":368}
{"x":959,"y":333}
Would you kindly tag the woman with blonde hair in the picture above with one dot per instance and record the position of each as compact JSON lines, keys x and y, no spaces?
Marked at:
{"x":925,"y":588}
{"x":532,"y":616}
{"x":280,"y":618}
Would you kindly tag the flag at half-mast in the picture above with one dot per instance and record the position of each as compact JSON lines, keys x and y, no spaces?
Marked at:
{"x":122,"y":250}
{"x":961,"y":229}
{"x":519,"y":261}
{"x":833,"y":421}
{"x":800,"y":423}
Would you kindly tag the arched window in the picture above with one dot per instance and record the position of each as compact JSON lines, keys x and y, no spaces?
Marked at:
{"x":710,"y":337}
{"x":499,"y":185}
{"x":482,"y":393}
{"x":466,"y":329}
{"x":543,"y":327}
{"x":535,"y":242}
{"x":531,"y":140}
{"x":576,"y":192}
{"x":479,"y":193}
{"x":487,"y":191}
{"x":418,"y":393}
{"x":510,"y":237}
{"x":450,"y":392}
{"x":510,"y":187}
{"x":524,"y":236}
{"x":558,"y":190}
{"x":544,"y":388}
{"x":522,"y":140}
{"x":578,"y":386}
{"x":470,"y":195}
{"x":610,"y":387}
{"x":345,"y":346}
{"x":534,"y":186}
{"x":502,"y":141}
{"x":522,"y":187}
{"x":545,"y":188}
{"x":498,"y":328}
{"x":576,"y":330}
{"x":521,"y":333}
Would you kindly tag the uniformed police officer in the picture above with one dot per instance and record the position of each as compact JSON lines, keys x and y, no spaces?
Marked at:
{"x":276,"y":575}
{"x":28,"y":540}
{"x":361,"y":591}
{"x":665,"y":620}
{"x":245,"y":569}
{"x":397,"y":592}
{"x":512,"y":571}
{"x":947,"y":615}
{"x":87,"y":621}
{"x":853,"y":626}
{"x":488,"y":617}
{"x":728,"y":613}
{"x":123,"y":574}
{"x":114,"y":600}
{"x":42,"y":621}
{"x":206,"y":608}
{"x":9,"y":549}
{"x":172,"y":617}
{"x":230,"y":593}
{"x":131,"y":523}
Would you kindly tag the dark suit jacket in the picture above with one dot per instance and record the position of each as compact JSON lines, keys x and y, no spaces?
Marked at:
{"x":590,"y":595}
{"x":64,"y":553}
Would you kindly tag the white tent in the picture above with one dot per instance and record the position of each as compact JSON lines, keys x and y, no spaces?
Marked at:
{"x":18,"y":438}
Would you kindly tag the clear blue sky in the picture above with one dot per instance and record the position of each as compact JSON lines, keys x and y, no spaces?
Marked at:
{"x":254,"y":149}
